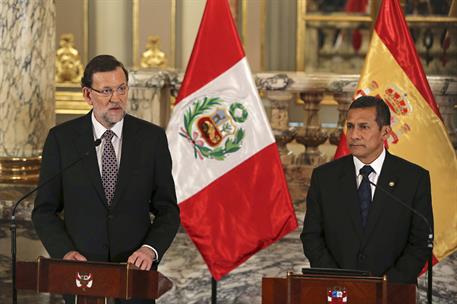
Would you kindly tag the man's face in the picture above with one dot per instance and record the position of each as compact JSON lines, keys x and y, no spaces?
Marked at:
{"x":364,"y":137}
{"x":108,"y":108}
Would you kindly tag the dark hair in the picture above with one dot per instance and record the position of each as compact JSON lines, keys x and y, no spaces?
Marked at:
{"x":382,"y":110}
{"x":101,"y":63}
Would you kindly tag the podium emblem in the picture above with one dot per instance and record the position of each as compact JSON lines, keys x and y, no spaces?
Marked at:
{"x":337,"y":295}
{"x":84,"y":280}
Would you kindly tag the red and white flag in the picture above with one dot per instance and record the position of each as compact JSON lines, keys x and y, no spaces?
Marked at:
{"x":229,"y":179}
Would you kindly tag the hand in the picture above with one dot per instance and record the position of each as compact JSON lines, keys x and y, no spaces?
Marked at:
{"x":74,"y":256}
{"x":142,"y":258}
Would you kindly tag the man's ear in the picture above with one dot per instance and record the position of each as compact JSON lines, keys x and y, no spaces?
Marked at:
{"x":86,"y":95}
{"x":385,"y":131}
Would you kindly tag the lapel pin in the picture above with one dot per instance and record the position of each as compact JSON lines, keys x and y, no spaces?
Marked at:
{"x":391,"y":184}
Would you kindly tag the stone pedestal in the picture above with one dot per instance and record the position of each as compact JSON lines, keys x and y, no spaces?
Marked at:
{"x":27,"y":57}
{"x":279,"y":122}
{"x":445,"y":92}
{"x":149,"y":95}
{"x":311,"y":135}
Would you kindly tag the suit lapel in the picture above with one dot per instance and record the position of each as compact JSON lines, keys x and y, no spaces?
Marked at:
{"x":128,"y":157}
{"x":85,"y":142}
{"x":349,"y":195}
{"x":387,"y":176}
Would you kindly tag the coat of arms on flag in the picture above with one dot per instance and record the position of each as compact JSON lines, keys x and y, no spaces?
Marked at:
{"x":213,"y":127}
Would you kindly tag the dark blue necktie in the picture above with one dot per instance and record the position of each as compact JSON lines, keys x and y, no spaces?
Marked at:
{"x":364,"y":193}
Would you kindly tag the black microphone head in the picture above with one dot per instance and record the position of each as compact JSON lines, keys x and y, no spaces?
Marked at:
{"x":97,"y":142}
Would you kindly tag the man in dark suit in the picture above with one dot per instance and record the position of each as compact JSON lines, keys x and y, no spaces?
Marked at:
{"x":107,"y":197}
{"x":349,"y":223}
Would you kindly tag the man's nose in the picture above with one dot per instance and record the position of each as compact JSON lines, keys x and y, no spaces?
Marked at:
{"x":115,"y":97}
{"x":354,"y":133}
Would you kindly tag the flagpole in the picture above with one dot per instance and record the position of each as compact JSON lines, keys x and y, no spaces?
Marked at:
{"x":213,"y":291}
{"x":430,"y":278}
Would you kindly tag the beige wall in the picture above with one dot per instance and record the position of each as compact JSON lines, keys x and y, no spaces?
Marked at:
{"x":254,"y":34}
{"x":192,"y":12}
{"x":155,"y":18}
{"x":106,"y":18}
{"x":70,"y":19}
{"x":110,"y":29}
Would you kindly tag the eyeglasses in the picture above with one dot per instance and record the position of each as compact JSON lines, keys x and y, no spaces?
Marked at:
{"x":108,"y":92}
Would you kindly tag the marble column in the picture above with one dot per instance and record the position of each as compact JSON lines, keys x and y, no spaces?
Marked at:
{"x":27,"y":58}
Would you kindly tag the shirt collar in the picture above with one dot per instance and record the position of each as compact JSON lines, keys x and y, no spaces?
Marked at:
{"x":376,"y":164}
{"x":99,"y":129}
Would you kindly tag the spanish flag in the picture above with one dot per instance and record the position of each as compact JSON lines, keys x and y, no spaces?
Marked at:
{"x":393,"y":72}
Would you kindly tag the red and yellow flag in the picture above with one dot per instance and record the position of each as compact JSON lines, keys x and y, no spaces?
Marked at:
{"x":393,"y":72}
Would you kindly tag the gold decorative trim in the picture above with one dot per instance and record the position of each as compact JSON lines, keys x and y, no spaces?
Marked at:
{"x":127,"y":296}
{"x":301,"y":30}
{"x":368,"y":19}
{"x":453,"y":9}
{"x":374,"y":9}
{"x":38,"y":266}
{"x":244,"y":22}
{"x":71,"y":103}
{"x":135,"y":33}
{"x":86,"y":31}
{"x":336,"y":18}
{"x":69,"y":99}
{"x":263,"y":19}
{"x":173,"y":34}
{"x":431,"y":19}
{"x":20,"y":170}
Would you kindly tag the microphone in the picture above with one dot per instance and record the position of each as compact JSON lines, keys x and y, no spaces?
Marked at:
{"x":13,"y":214}
{"x":429,"y":238}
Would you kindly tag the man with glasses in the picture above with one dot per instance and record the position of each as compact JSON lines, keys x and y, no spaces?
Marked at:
{"x":121,"y":175}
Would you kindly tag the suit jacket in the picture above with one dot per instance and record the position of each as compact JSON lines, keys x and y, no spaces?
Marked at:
{"x":98,"y":231}
{"x":394,"y":241}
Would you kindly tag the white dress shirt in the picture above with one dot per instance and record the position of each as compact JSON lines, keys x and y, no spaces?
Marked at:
{"x":99,"y":130}
{"x":373,"y":177}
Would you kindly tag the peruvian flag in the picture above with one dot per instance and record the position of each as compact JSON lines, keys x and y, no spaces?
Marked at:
{"x":229,"y":179}
{"x":393,"y":71}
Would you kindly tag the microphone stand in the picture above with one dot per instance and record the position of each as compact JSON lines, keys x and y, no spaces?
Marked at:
{"x":13,"y":218}
{"x":429,"y":239}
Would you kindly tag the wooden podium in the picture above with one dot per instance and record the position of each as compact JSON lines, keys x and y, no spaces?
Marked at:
{"x":91,"y":282}
{"x":320,"y":288}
